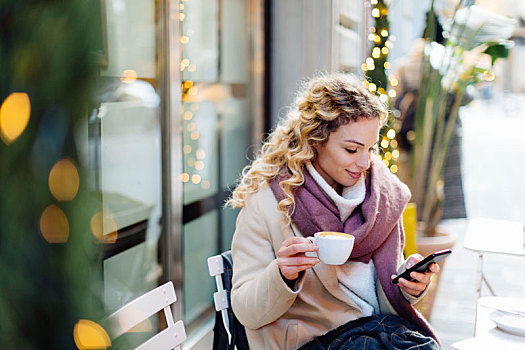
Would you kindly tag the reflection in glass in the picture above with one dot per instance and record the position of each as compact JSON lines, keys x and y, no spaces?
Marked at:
{"x":199,"y":243}
{"x":200,"y":153}
{"x":125,"y":152}
{"x":200,"y":38}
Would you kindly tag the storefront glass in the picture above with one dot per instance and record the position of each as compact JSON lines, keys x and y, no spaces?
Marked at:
{"x":125,"y":154}
{"x":218,"y":129}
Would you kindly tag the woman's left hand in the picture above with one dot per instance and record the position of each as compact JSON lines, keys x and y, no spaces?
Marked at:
{"x":422,"y":280}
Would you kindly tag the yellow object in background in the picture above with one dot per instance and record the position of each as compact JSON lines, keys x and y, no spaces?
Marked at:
{"x":410,"y":226}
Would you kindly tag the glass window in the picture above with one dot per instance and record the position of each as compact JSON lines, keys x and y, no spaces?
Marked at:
{"x":201,"y":155}
{"x":125,"y":153}
{"x":199,"y":241}
{"x":218,"y":119}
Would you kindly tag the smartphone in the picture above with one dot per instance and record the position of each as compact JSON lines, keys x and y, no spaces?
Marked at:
{"x":423,"y":265}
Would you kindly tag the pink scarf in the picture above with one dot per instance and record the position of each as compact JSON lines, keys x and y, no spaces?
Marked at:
{"x":375,"y":223}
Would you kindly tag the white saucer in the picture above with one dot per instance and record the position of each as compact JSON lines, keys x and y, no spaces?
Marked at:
{"x":508,"y":322}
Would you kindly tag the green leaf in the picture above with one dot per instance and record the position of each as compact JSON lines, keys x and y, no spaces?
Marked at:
{"x":499,"y":50}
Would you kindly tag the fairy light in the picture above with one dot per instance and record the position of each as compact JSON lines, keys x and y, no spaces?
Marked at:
{"x":395,"y":154}
{"x":377,"y":68}
{"x":188,"y":115}
{"x":196,"y":179}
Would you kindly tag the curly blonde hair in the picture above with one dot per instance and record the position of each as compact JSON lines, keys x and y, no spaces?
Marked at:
{"x":325,"y":103}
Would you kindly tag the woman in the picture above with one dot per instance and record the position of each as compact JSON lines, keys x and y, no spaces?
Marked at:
{"x":318,"y":172}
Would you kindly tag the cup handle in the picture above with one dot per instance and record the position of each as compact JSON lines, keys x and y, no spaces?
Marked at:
{"x":311,"y":254}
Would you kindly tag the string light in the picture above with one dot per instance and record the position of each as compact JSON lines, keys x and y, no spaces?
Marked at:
{"x":377,"y":68}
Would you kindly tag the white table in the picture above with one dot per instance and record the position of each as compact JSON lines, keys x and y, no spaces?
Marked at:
{"x":494,"y":236}
{"x":487,"y":334}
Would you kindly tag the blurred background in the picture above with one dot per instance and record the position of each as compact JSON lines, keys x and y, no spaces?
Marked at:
{"x":125,"y":124}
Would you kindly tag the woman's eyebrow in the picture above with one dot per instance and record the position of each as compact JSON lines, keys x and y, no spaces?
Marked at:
{"x":354,"y":141}
{"x":358,"y":142}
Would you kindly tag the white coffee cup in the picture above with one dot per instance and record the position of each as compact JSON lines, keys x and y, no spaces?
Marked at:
{"x":334,"y":247}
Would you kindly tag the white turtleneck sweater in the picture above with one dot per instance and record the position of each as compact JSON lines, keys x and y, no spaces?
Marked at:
{"x":356,"y":279}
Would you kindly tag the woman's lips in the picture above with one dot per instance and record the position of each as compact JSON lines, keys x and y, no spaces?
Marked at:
{"x":354,"y":174}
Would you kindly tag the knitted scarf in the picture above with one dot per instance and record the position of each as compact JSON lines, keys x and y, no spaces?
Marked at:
{"x":375,"y":223}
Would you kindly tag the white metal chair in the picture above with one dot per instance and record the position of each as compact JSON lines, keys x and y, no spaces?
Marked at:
{"x":143,"y":307}
{"x":220,"y":298}
{"x":230,"y":333}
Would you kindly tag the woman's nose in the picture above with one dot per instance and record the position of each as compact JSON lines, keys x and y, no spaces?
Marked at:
{"x":364,"y":161}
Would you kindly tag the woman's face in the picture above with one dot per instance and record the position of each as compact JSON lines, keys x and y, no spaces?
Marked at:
{"x":346,"y":155}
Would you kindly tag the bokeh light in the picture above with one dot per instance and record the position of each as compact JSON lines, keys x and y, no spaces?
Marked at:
{"x":104,"y":227}
{"x":14,"y":116}
{"x":90,"y":335}
{"x":200,"y":154}
{"x":196,"y":179}
{"x":54,"y":225}
{"x":128,"y":76}
{"x":64,"y":180}
{"x":188,"y":115}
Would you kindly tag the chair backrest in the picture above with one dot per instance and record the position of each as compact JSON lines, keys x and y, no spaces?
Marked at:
{"x":221,"y":267}
{"x":143,"y":307}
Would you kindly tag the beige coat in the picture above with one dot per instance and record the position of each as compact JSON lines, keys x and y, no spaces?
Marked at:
{"x":275,"y":316}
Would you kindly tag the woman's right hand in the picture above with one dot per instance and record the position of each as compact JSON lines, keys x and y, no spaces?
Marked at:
{"x":291,"y":258}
